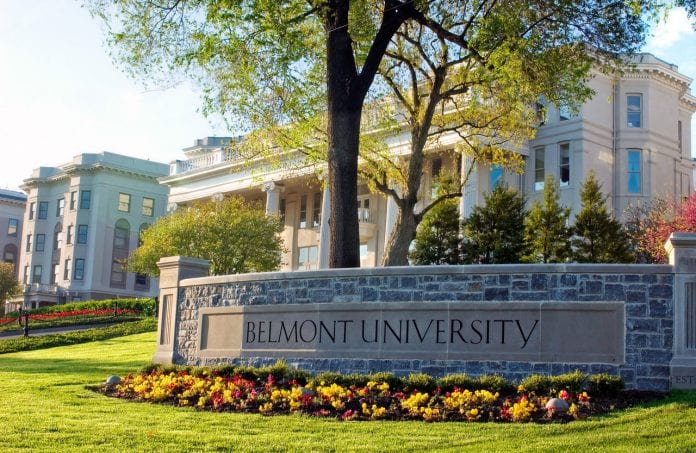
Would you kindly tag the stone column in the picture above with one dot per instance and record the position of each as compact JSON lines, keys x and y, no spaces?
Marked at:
{"x":392,"y":210}
{"x":272,"y":197}
{"x":681,"y":248}
{"x":173,"y":269}
{"x":324,"y":228}
{"x":469,"y":191}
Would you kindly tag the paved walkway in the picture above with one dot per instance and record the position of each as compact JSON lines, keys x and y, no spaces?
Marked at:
{"x":48,"y":331}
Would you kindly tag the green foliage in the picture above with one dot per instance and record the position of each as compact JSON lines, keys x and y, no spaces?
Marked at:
{"x":494,"y":383}
{"x":451,"y":381}
{"x":82,"y":336}
{"x":546,"y":232}
{"x":9,"y":286}
{"x":494,"y":232}
{"x":236,"y":236}
{"x":573,"y":382}
{"x":419,"y":381}
{"x":537,"y":383}
{"x":604,"y":384}
{"x":437,"y":237}
{"x":144,"y":305}
{"x":598,"y":237}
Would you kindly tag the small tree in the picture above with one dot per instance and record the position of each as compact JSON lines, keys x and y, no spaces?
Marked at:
{"x":235,"y":235}
{"x":546,"y":231}
{"x":494,"y":232}
{"x":599,"y":238}
{"x":437,"y":238}
{"x":650,"y":225}
{"x":9,"y":286}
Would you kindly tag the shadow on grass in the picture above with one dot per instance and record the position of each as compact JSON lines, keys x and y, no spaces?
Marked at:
{"x":67,"y":366}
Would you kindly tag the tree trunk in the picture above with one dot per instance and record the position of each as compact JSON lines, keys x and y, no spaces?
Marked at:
{"x":344,"y":98}
{"x":400,"y":238}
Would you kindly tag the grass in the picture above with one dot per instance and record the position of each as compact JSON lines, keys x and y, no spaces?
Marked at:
{"x":83,"y":336}
{"x":46,"y":407}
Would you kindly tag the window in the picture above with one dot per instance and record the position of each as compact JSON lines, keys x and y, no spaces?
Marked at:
{"x":25,"y":277}
{"x":9,"y":253}
{"x":118,"y":275}
{"x":28,"y":249}
{"x":435,"y":170}
{"x":364,"y":214}
{"x":82,"y":234}
{"x":121,"y":234}
{"x":79,"y":272}
{"x":539,"y":172}
{"x":60,"y":207}
{"x":66,"y":270}
{"x":43,"y":209}
{"x":148,"y":207}
{"x":36,"y":276}
{"x":32,"y":210}
{"x":69,"y":234}
{"x":496,"y":176}
{"x":12,"y":227}
{"x":679,"y":136}
{"x":541,"y":114}
{"x":119,"y":253}
{"x":634,"y":110}
{"x":634,"y":173}
{"x":73,"y":200}
{"x":363,"y":254}
{"x":54,"y":275}
{"x":282,"y":211}
{"x":57,"y":236}
{"x":303,"y":211}
{"x":564,"y":164}
{"x":40,"y":242}
{"x":316,"y":210}
{"x":124,"y":202}
{"x":141,"y":279}
{"x":85,"y":199}
{"x":307,"y":258}
{"x":564,"y":112}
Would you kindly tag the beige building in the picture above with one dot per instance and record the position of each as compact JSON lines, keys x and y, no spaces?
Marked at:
{"x":11,"y":214}
{"x":82,"y":218}
{"x":634,"y":134}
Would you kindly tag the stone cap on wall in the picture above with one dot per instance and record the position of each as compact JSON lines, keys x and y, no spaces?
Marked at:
{"x":437,"y":270}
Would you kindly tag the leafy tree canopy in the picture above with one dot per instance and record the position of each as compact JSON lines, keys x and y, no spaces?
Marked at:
{"x":234,"y":235}
{"x":9,"y":286}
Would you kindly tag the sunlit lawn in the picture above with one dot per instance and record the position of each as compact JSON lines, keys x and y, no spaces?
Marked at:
{"x":46,"y":407}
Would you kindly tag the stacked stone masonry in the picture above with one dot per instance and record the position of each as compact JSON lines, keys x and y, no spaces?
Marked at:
{"x":645,"y":290}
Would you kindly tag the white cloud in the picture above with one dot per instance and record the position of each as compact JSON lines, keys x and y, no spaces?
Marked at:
{"x":669,"y":32}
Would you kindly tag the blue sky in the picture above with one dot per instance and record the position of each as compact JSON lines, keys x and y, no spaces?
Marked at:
{"x":61,"y":95}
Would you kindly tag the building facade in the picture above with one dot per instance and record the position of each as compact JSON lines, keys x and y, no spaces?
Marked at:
{"x":634,"y":134}
{"x":12,"y":206}
{"x":82,"y":219}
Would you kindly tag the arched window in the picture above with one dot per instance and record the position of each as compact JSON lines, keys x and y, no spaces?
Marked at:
{"x":9,"y":255}
{"x":142,"y":281}
{"x":119,"y":253}
{"x":57,"y":236}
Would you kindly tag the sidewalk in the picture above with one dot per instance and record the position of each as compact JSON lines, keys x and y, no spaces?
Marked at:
{"x":19,"y":333}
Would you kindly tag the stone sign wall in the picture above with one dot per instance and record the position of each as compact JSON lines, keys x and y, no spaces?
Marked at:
{"x":434,"y":319}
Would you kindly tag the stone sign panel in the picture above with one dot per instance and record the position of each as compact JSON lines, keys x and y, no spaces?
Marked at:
{"x":578,"y":332}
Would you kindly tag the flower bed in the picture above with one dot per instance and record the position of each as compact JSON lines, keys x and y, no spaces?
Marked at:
{"x":378,"y":398}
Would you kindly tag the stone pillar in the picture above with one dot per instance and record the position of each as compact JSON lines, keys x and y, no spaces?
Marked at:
{"x":173,"y":269}
{"x":681,"y":248}
{"x":324,"y":228}
{"x":272,"y":197}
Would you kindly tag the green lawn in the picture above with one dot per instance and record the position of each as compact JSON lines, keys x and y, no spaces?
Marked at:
{"x":46,"y":407}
